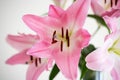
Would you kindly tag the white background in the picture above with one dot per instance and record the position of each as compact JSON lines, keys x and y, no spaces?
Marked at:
{"x":11,"y":12}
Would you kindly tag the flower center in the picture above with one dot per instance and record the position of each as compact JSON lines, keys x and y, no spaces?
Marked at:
{"x":35,"y":60}
{"x":115,"y":47}
{"x":109,"y":4}
{"x":63,"y":37}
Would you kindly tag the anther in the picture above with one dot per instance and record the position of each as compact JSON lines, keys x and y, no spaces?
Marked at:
{"x":31,"y":58}
{"x":111,"y":2}
{"x":54,"y":33}
{"x":53,"y":38}
{"x":116,"y":1}
{"x":39,"y":60}
{"x":62,"y":32}
{"x":26,"y":62}
{"x":104,"y":1}
{"x":36,"y":64}
{"x":61,"y":46}
{"x":67,"y":38}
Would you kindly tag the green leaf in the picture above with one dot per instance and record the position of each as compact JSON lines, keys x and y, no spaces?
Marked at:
{"x":86,"y":74}
{"x":100,"y":20}
{"x":54,"y":72}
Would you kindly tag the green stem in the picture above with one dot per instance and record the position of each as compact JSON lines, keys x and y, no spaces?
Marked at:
{"x":98,"y":28}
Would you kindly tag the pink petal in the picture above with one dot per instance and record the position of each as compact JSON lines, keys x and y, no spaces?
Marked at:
{"x":41,"y":49}
{"x":34,"y":72}
{"x":111,"y":22}
{"x":97,"y":8}
{"x":67,"y":62}
{"x":83,"y":37}
{"x":77,"y":12}
{"x":55,"y":11}
{"x":19,"y":58}
{"x":36,"y":23}
{"x":99,"y":60}
{"x":114,"y":74}
{"x":116,"y":70}
{"x":22,"y":41}
{"x":113,"y":13}
{"x":42,"y":25}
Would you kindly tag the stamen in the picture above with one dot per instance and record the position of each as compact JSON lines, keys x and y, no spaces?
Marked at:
{"x":36,"y":64}
{"x":54,"y":34}
{"x":104,"y":1}
{"x":67,"y":38}
{"x":53,"y":38}
{"x":111,"y":2}
{"x":26,"y":62}
{"x":62,"y":32}
{"x":31,"y":58}
{"x":39,"y":60}
{"x":54,"y":41}
{"x":61,"y":46}
{"x":116,"y":1}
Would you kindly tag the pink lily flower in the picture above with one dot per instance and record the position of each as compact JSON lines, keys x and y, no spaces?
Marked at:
{"x":103,"y":7}
{"x":107,"y":57}
{"x":62,"y":35}
{"x":23,"y":43}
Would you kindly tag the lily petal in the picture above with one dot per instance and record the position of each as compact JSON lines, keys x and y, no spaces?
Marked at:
{"x":41,"y":25}
{"x":67,"y":62}
{"x":41,"y":49}
{"x":100,"y":59}
{"x":111,"y":22}
{"x":33,"y":72}
{"x":97,"y":7}
{"x":83,"y":38}
{"x":67,"y":66}
{"x":116,"y":70}
{"x":22,"y":41}
{"x":19,"y":58}
{"x":77,"y":12}
{"x":55,"y":11}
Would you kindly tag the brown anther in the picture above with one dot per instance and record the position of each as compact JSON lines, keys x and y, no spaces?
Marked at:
{"x":39,"y":60}
{"x":61,"y":46}
{"x":53,"y":38}
{"x":105,"y":1}
{"x":62,"y":32}
{"x":67,"y":38}
{"x":36,"y":64}
{"x":54,"y":41}
{"x":116,"y":1}
{"x":26,"y":62}
{"x":111,"y":3}
{"x":31,"y":58}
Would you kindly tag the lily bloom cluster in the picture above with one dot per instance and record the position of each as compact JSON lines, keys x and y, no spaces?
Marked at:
{"x":107,"y":57}
{"x":60,"y":38}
